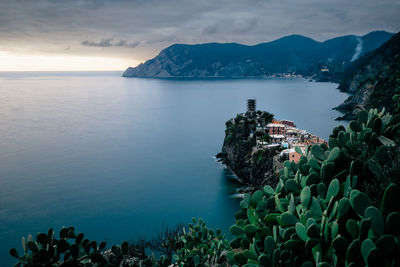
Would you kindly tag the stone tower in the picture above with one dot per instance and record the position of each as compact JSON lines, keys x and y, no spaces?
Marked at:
{"x":251,"y":105}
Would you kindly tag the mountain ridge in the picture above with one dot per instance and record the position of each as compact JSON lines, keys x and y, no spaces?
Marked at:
{"x":290,"y":54}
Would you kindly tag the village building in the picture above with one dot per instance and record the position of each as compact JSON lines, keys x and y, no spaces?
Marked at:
{"x":277,"y":138}
{"x":292,"y":132}
{"x":276,"y":129}
{"x":288,"y":123}
{"x":282,"y":135}
{"x":294,"y":156}
{"x":285,"y":153}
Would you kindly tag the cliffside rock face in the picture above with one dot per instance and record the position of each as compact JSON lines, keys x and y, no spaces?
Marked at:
{"x":372,"y":79}
{"x":253,"y":168}
{"x":289,"y":54}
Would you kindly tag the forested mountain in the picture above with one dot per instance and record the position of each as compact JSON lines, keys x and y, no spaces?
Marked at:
{"x":372,"y":79}
{"x":293,"y":54}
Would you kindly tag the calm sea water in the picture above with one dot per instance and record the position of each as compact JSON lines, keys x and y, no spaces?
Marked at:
{"x":117,"y":158}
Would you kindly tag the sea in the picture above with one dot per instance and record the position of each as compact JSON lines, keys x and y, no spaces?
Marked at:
{"x":122,"y":158}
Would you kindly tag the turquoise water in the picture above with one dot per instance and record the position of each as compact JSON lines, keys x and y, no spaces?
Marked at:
{"x":118,"y":157}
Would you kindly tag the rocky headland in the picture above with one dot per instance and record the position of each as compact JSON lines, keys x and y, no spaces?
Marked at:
{"x":254,"y":168}
{"x":256,"y":146}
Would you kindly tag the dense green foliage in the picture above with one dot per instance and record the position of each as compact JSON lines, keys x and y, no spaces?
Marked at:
{"x":202,"y":246}
{"x":323,"y":228}
{"x":72,"y":249}
{"x":317,"y":213}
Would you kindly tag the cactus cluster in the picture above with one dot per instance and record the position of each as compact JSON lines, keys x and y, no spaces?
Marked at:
{"x":317,"y":215}
{"x":370,"y":150}
{"x":72,"y":249}
{"x":202,"y":246}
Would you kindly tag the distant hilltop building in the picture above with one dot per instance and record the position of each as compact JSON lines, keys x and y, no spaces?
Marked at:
{"x":251,"y":105}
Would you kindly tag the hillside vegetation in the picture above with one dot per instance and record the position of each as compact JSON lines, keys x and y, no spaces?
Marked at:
{"x":372,"y":79}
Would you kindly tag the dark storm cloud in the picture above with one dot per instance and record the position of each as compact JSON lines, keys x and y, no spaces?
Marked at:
{"x":49,"y":26}
{"x":109,"y":42}
{"x":124,"y":43}
{"x":102,"y":43}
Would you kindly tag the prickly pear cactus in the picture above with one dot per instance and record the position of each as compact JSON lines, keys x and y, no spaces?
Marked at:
{"x":71,"y":249}
{"x":319,"y":213}
{"x":202,"y":246}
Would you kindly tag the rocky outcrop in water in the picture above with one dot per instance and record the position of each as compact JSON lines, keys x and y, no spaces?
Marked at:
{"x":254,"y":168}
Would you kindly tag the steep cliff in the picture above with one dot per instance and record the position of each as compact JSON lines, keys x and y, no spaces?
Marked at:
{"x":253,"y":168}
{"x":372,"y":79}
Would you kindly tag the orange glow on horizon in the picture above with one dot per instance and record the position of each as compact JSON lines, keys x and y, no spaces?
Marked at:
{"x":23,"y":62}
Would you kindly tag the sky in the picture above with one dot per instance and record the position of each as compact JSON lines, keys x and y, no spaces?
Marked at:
{"x":58,"y":35}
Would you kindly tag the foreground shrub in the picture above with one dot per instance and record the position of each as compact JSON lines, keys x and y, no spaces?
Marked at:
{"x":168,"y":240}
{"x":73,"y":250}
{"x":202,"y":246}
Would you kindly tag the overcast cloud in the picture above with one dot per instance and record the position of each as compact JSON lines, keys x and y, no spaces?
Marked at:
{"x":139,"y":29}
{"x":109,"y":42}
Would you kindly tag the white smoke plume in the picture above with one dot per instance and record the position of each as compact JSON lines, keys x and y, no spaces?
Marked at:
{"x":358,"y":50}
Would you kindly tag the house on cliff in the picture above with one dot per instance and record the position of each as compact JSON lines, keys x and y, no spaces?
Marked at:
{"x":276,"y":129}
